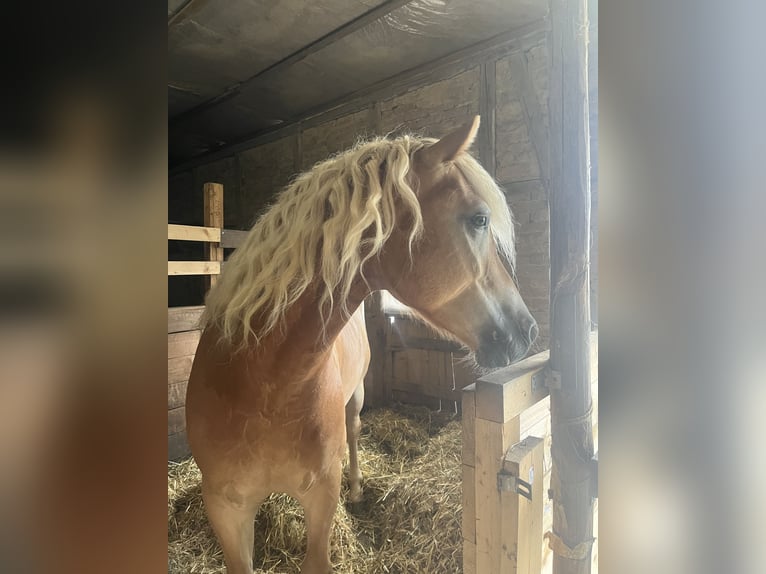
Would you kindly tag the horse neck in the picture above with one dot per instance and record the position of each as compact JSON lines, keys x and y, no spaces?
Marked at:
{"x":302,"y":345}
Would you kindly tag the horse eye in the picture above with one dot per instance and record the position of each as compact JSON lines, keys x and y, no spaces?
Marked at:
{"x":480,"y":221}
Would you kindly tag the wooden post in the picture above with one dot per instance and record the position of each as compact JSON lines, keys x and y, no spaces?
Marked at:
{"x":487,"y":107}
{"x":469,"y":479}
{"x":569,"y":197}
{"x":213,"y":201}
{"x":377,"y":392}
{"x":522,"y":524}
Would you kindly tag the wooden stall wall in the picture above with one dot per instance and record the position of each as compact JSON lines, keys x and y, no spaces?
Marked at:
{"x":183,"y":336}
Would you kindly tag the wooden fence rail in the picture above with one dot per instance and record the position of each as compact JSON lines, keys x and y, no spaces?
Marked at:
{"x":215,"y":237}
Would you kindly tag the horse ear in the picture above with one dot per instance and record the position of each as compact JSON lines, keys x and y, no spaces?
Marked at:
{"x":451,"y":145}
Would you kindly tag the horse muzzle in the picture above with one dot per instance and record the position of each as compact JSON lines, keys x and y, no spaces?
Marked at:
{"x":500,"y":348}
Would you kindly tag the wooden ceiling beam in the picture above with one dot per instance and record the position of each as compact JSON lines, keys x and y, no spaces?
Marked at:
{"x":330,"y":38}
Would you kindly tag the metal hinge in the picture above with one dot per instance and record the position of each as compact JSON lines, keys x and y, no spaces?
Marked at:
{"x":546,"y":377}
{"x":507,"y":482}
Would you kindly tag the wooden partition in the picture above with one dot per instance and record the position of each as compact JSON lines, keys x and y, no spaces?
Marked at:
{"x":183,"y":336}
{"x":410,"y":363}
{"x":183,"y":322}
{"x":506,"y":467}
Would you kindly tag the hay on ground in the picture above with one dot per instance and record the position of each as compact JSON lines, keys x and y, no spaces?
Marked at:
{"x":408,"y":521}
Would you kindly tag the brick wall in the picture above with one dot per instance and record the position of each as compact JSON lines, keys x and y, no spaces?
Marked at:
{"x":520,"y":173}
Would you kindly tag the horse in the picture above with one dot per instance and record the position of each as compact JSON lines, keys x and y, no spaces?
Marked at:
{"x":276,"y":385}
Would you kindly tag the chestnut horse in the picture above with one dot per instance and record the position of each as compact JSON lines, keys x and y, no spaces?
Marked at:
{"x":284,"y":346}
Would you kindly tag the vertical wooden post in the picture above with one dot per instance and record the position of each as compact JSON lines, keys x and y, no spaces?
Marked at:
{"x":487,"y":107}
{"x":522,"y":524}
{"x":469,"y":479}
{"x":213,"y":205}
{"x":377,"y":391}
{"x":572,"y":435}
{"x":493,"y":437}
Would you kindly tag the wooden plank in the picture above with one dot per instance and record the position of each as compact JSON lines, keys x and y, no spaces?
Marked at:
{"x":177,"y":394}
{"x":522,"y":519}
{"x":280,"y":66}
{"x":493,"y":439}
{"x":176,"y":420}
{"x":469,"y":503}
{"x":570,"y":204}
{"x":184,"y":318}
{"x":193,"y":233}
{"x":178,"y":447}
{"x":179,"y":369}
{"x":469,"y":557}
{"x":376,"y":393}
{"x":506,"y":393}
{"x":212,"y":194}
{"x":487,"y":107}
{"x":469,"y":425}
{"x":182,"y":344}
{"x":194,"y":268}
{"x":233,"y":238}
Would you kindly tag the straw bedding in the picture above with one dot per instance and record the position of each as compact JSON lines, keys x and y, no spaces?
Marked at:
{"x":408,"y":522}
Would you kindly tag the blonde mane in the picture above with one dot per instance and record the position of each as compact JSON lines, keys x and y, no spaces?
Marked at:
{"x":326,"y":225}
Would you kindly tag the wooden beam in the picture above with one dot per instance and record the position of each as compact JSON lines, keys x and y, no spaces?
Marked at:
{"x":178,"y":447}
{"x":503,"y":395}
{"x":492,"y":442}
{"x":193,"y":233}
{"x":500,"y":45}
{"x":533,"y":114}
{"x":182,"y":344}
{"x":377,"y":389}
{"x":176,"y":420}
{"x":469,"y":478}
{"x":177,"y":394}
{"x":183,"y":11}
{"x":571,"y":428}
{"x":339,"y":33}
{"x":469,"y":425}
{"x":487,"y":107}
{"x":194,"y":268}
{"x":179,"y":369}
{"x":184,"y":318}
{"x":522,"y":518}
{"x":212,"y":194}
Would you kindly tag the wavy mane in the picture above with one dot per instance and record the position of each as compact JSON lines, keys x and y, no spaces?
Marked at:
{"x":326,"y":224}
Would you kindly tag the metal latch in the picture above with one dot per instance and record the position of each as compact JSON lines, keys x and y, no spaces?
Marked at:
{"x":507,"y":482}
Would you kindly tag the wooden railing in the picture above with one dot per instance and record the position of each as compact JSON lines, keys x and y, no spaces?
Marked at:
{"x":504,"y":476}
{"x":212,"y":234}
{"x":183,"y":322}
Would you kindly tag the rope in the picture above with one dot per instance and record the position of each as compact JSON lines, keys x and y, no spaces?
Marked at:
{"x":560,"y":548}
{"x":573,"y":421}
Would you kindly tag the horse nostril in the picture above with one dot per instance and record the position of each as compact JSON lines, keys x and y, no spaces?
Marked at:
{"x":533,"y":332}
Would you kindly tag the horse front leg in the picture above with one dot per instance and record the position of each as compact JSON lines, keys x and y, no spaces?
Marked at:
{"x":233,"y":524}
{"x":319,"y":505}
{"x":353,"y":428}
